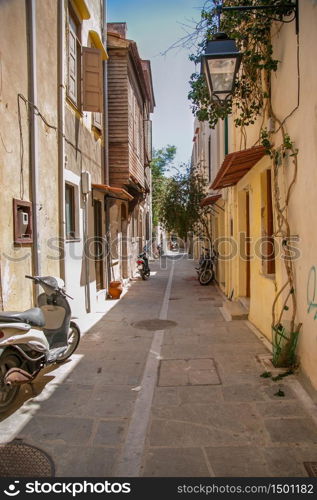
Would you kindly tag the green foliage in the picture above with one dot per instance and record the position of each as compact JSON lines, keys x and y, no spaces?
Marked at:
{"x":180,"y":209}
{"x":251,"y":30}
{"x":161,"y":162}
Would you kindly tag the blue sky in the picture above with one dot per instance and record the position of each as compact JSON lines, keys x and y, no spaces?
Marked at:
{"x":155,"y":25}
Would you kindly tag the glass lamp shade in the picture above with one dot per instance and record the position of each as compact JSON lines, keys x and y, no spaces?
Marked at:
{"x":220,"y":64}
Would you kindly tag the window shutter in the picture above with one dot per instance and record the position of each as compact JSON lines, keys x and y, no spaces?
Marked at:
{"x":92,"y":80}
{"x":148,"y":138}
{"x":97,"y":120}
{"x":72,"y":64}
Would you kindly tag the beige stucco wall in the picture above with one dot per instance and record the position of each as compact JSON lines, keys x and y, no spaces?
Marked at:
{"x":16,"y":262}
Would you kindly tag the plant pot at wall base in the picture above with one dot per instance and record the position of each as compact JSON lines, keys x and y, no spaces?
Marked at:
{"x":284,"y":345}
{"x":115,"y":289}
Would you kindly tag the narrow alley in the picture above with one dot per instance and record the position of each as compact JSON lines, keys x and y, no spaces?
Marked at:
{"x":162,"y":386}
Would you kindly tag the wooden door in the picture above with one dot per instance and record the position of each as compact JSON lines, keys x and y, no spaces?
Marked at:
{"x":248,"y":246}
{"x":98,"y":244}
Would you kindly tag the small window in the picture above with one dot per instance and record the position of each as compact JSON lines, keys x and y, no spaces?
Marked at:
{"x":22,"y":217}
{"x":74,"y":59}
{"x":97,"y":121}
{"x":70,"y":215}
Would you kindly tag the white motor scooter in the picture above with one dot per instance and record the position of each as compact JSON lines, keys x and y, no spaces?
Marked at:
{"x":33,"y":339}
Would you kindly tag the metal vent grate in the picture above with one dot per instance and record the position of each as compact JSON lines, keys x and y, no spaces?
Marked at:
{"x":22,"y":460}
{"x":311,"y":468}
{"x":154,"y":324}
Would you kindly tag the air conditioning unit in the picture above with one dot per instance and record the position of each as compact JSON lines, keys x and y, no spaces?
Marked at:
{"x":85,"y":182}
{"x":23,"y":222}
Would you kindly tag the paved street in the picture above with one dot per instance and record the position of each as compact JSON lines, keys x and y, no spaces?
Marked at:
{"x":180,"y":395}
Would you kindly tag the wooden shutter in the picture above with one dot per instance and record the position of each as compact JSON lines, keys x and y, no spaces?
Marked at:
{"x":97,"y":120}
{"x":72,"y":61}
{"x":148,"y":138}
{"x":92,"y":80}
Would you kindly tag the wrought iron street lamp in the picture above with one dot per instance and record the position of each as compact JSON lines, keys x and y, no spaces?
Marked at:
{"x":220,"y":65}
{"x":221,"y":60}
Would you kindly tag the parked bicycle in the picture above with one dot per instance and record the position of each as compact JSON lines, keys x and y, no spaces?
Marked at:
{"x":206,"y":269}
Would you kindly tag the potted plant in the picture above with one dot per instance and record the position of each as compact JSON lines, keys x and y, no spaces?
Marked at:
{"x":115,"y":289}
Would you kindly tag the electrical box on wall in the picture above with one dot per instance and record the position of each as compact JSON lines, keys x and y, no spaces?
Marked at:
{"x":85,"y":182}
{"x":23,"y":222}
{"x":22,"y":217}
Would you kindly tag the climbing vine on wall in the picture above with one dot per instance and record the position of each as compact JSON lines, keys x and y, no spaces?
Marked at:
{"x":250,"y":101}
{"x":252,"y":33}
{"x":284,"y":339}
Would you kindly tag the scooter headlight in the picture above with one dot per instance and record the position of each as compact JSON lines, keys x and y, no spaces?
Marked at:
{"x":60,"y":283}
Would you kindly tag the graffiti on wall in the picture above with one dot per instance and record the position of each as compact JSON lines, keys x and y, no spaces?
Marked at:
{"x":311,"y":291}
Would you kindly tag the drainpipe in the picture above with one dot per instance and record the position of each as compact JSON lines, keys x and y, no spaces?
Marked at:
{"x":86,"y":252}
{"x":105,"y":99}
{"x":34,"y":143}
{"x":61,"y":134}
{"x":106,"y":143}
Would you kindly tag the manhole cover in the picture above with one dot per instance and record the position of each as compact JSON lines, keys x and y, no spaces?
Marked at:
{"x":174,"y":298}
{"x":22,"y":460}
{"x":154,"y":324}
{"x":311,"y":468}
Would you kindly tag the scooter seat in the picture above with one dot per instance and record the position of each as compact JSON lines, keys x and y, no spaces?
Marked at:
{"x":34,"y":317}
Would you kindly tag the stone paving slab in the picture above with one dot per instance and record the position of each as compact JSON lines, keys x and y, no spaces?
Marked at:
{"x":280,"y":408}
{"x":79,"y":461}
{"x":110,"y":432}
{"x":173,"y":462}
{"x":180,"y":351}
{"x":183,"y":434}
{"x":59,"y":429}
{"x":233,"y":461}
{"x":235,"y":428}
{"x":292,"y":430}
{"x":188,"y":372}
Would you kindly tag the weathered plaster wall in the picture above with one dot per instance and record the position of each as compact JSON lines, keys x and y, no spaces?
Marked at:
{"x":14,"y":173}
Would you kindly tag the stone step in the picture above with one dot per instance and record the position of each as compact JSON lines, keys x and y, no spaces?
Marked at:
{"x":245,"y":302}
{"x":235,"y":310}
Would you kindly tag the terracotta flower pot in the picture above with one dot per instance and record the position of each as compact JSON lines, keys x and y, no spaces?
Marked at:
{"x":115,"y":289}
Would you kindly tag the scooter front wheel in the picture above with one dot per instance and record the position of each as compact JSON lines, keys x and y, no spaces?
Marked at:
{"x":145,"y":275}
{"x":206,"y":276}
{"x":8,"y":359}
{"x":72,"y":341}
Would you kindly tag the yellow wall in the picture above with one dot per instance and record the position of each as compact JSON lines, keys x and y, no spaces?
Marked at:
{"x":301,"y":126}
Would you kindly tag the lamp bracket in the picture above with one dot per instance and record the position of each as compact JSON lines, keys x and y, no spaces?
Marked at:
{"x":279,"y":9}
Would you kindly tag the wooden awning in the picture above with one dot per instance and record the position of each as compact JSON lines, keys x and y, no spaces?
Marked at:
{"x":236,"y":165}
{"x":210,"y":200}
{"x":115,"y":192}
